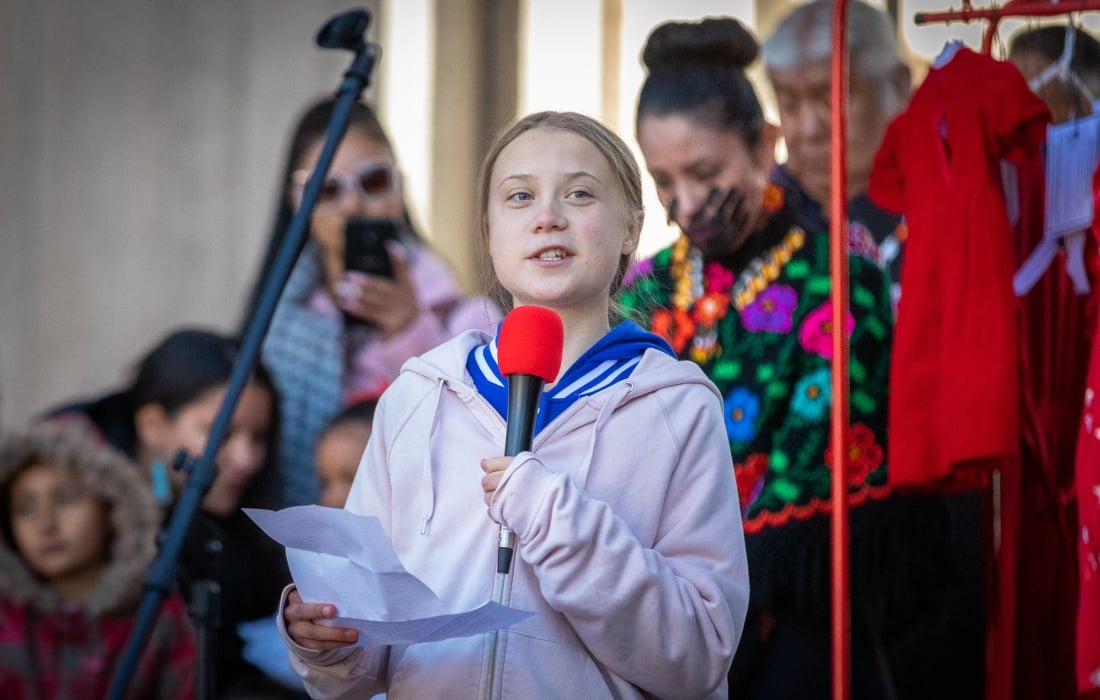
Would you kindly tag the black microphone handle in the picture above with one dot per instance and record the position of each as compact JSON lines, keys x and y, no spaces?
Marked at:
{"x":524,"y":391}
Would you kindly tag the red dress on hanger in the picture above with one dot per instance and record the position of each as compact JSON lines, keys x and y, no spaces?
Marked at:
{"x":1035,"y":604}
{"x":1087,"y":487}
{"x":961,"y":368}
{"x":954,"y":382}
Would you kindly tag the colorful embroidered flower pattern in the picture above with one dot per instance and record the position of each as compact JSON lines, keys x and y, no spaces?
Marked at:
{"x":776,"y":384}
{"x":902,"y":232}
{"x":816,"y":332}
{"x":771,"y":311}
{"x":675,"y":326}
{"x":864,"y":454}
{"x":773,"y":198}
{"x":741,"y":408}
{"x":861,"y":242}
{"x":813,"y":395}
{"x":750,"y":478}
{"x":717,"y":279}
{"x":709,"y":308}
{"x":642,"y":268}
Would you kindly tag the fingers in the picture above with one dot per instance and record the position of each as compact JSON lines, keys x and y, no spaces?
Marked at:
{"x":398,"y":259}
{"x":722,"y":212}
{"x":494,"y":469}
{"x":389,"y":304}
{"x":304,"y":627}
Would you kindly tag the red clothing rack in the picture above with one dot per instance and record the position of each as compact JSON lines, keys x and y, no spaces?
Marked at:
{"x":838,"y":269}
{"x":1011,"y":8}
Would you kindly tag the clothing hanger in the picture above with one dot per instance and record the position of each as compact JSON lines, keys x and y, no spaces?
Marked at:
{"x":1012,"y":8}
{"x":948,"y":52}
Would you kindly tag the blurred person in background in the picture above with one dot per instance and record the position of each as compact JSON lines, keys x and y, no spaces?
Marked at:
{"x":79,"y":529}
{"x":339,"y":335}
{"x":169,"y":406}
{"x":744,"y":292}
{"x":796,"y":61}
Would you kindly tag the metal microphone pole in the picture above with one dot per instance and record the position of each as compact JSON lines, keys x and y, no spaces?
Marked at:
{"x":343,"y":31}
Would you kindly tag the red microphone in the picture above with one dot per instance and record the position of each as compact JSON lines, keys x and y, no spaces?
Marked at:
{"x":529,"y":355}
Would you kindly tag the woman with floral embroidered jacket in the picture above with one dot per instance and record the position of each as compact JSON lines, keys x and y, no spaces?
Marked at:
{"x":744,"y":292}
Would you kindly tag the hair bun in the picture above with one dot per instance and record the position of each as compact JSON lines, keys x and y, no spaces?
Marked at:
{"x":720,"y":40}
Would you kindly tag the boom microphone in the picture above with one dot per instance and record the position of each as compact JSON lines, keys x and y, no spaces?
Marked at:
{"x":529,"y":355}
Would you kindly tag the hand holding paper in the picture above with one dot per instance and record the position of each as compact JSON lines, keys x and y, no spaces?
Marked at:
{"x":346,"y":559}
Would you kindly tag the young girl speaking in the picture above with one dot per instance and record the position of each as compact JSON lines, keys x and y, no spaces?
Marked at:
{"x":623,"y":508}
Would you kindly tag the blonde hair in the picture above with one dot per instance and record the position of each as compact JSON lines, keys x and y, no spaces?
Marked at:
{"x":613,"y":148}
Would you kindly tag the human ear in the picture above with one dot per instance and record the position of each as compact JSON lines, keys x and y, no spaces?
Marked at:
{"x":903,"y":82}
{"x":633,"y":232}
{"x":765,"y":150}
{"x":151,"y":424}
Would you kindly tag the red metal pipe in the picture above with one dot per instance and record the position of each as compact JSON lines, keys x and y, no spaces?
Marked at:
{"x":838,"y":271}
{"x":1012,"y":8}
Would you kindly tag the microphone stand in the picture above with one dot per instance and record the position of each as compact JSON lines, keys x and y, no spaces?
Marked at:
{"x":343,"y":31}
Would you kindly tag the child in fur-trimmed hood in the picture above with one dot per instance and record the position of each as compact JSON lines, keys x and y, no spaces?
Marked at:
{"x":78,"y":526}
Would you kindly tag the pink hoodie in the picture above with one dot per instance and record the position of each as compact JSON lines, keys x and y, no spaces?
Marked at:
{"x":629,"y":542}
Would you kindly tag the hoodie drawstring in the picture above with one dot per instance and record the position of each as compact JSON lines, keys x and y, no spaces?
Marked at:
{"x":617,"y":394}
{"x":428,"y":483}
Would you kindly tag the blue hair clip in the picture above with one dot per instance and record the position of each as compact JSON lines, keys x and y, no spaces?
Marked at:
{"x":162,"y":489}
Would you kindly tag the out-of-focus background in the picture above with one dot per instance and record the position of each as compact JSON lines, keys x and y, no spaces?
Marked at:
{"x":140,"y":145}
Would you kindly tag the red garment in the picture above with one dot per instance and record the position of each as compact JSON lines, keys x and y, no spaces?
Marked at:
{"x":1087,"y":486}
{"x":1033,"y":639}
{"x":64,"y":654}
{"x":954,"y":385}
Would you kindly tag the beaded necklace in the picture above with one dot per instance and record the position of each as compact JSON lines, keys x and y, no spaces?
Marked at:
{"x":703,"y":294}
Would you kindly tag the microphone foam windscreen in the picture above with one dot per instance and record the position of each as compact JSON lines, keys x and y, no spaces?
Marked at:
{"x":530,"y":342}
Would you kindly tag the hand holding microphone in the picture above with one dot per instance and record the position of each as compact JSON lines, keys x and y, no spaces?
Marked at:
{"x":529,"y":353}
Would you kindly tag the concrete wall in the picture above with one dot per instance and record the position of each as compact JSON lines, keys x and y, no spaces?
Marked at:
{"x":139,"y":152}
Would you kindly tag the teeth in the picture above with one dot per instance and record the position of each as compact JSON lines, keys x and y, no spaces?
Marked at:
{"x":552,"y":254}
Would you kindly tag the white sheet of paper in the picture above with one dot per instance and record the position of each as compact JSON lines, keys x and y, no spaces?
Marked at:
{"x":490,"y":616}
{"x":345,"y":559}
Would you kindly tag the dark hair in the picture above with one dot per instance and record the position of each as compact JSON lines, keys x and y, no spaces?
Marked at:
{"x":182,"y":368}
{"x":176,"y":371}
{"x":1050,"y":42}
{"x":311,"y":128}
{"x":697,"y":69}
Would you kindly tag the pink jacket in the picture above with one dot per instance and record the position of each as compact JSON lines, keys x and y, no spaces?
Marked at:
{"x":629,"y":542}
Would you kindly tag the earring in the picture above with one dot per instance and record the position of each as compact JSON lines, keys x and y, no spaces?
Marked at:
{"x":162,"y":489}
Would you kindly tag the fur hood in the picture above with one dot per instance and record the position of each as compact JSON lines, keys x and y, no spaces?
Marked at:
{"x":109,"y":474}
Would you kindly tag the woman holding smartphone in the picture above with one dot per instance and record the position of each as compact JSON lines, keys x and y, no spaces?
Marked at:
{"x":341,"y":334}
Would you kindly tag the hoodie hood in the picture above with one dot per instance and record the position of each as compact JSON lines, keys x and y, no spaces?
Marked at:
{"x":625,"y":365}
{"x":655,"y":368}
{"x":610,"y":359}
{"x":134,"y":516}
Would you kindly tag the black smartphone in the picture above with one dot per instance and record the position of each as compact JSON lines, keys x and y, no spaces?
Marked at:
{"x":365,"y":245}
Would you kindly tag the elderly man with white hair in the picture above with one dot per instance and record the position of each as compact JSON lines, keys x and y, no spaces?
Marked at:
{"x":796,"y":59}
